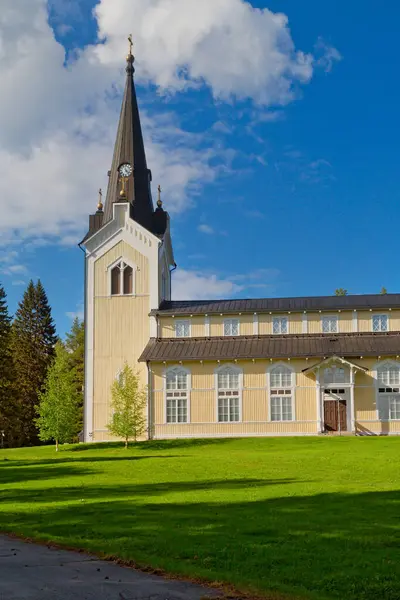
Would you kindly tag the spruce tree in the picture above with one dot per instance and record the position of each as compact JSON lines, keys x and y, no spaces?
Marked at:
{"x":33,"y":340}
{"x":59,"y":410}
{"x":8,"y":408}
{"x":75,"y":346}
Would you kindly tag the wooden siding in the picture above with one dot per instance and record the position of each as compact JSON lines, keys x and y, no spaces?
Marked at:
{"x":314,"y":325}
{"x":122,"y":249}
{"x":121,"y":330}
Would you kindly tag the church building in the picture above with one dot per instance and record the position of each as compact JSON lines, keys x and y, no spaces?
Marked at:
{"x":261,"y":367}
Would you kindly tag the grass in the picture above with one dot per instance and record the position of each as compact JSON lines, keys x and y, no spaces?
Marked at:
{"x":307,"y":517}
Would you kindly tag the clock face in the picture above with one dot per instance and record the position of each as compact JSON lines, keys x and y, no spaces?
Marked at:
{"x":125,"y":170}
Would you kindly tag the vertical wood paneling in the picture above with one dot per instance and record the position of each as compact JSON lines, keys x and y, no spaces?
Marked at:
{"x":141,"y":276}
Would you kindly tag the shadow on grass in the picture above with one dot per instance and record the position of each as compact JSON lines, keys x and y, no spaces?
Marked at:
{"x":152,"y":444}
{"x":336,"y":546}
{"x":57,"y":460}
{"x":129,"y":491}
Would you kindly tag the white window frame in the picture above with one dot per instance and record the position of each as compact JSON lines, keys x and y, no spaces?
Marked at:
{"x":374,"y":315}
{"x":378,"y":395}
{"x":177,"y":369}
{"x":336,"y":317}
{"x":239,"y":371}
{"x":280,"y":320}
{"x":110,"y":268}
{"x":292,"y":389}
{"x":231,"y":321}
{"x":185,"y":323}
{"x":334,"y":368}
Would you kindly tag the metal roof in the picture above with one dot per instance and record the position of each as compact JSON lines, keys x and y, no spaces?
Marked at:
{"x":283,"y":346}
{"x":308,"y":303}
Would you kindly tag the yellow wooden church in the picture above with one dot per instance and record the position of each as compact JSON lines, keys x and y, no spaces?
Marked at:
{"x":271,"y":366}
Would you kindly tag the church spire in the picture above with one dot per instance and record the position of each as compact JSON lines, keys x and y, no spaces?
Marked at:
{"x":129,"y":173}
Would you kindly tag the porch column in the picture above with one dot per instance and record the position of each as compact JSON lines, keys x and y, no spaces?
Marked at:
{"x":318,"y":399}
{"x":352,"y":411}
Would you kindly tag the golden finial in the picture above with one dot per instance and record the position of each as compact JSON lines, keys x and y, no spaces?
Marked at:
{"x":130,"y":40}
{"x":100,"y":203}
{"x":159,"y":201}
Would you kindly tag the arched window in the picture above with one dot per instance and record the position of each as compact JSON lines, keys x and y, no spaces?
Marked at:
{"x":177,"y":395}
{"x":122,"y":280}
{"x":228,"y":394}
{"x":388,"y":385}
{"x":334,"y":374}
{"x":281,"y":393}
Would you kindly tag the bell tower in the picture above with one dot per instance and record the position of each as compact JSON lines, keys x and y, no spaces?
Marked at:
{"x":128,"y":260}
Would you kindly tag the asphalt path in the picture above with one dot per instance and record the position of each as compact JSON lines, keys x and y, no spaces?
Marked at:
{"x":36,"y":572}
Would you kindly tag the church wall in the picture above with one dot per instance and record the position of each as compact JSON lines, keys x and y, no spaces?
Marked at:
{"x":255,"y":402}
{"x":295,"y":322}
{"x":121,"y":330}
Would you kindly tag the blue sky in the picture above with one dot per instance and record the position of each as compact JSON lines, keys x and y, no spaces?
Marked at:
{"x":281,"y":198}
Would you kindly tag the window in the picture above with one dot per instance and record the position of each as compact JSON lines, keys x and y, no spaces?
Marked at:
{"x":388,"y":382}
{"x":231,"y":327}
{"x":177,"y":395}
{"x":281,"y":393}
{"x":334,"y":375}
{"x":182,"y":328}
{"x":279,"y":325}
{"x":122,"y":280}
{"x":379,"y":323}
{"x":228,"y":390}
{"x":329,"y":324}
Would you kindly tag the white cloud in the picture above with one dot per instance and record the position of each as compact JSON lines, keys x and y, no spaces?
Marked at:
{"x":177,"y":42}
{"x":328,"y":55}
{"x":194,"y":285}
{"x":18,"y":282}
{"x":58,"y":123}
{"x":77,"y":313}
{"x":205,"y":229}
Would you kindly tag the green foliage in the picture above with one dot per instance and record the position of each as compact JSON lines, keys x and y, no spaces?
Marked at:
{"x":59,"y":410}
{"x":128,"y":402}
{"x":33,"y":339}
{"x":384,"y":290}
{"x":312,"y":518}
{"x":75,"y":346}
{"x":7,"y":403}
{"x":340,"y":292}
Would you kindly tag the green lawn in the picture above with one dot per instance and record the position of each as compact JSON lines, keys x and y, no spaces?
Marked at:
{"x":309,"y":517}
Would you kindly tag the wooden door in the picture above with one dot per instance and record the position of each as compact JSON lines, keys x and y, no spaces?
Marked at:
{"x":333,"y":410}
{"x":331,"y":415}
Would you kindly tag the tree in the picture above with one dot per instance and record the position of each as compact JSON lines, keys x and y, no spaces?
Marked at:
{"x":383,"y":290}
{"x":59,"y":403}
{"x":8,"y":413}
{"x":33,"y":339}
{"x":340,"y":292}
{"x":128,"y":402}
{"x":75,"y":346}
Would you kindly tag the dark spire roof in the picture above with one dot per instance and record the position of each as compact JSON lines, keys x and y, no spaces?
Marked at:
{"x":129,"y":148}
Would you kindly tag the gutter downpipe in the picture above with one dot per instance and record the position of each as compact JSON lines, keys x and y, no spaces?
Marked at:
{"x":150,"y":402}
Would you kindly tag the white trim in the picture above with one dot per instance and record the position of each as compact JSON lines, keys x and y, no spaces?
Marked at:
{"x":89,"y":350}
{"x":330,"y":316}
{"x":292,"y":388}
{"x":352,"y":407}
{"x":240,"y":389}
{"x":380,"y":314}
{"x":318,"y":399}
{"x":374,"y":373}
{"x":255,"y":324}
{"x":280,"y":318}
{"x":304,"y":323}
{"x":235,"y":435}
{"x":355,"y":321}
{"x":189,"y":388}
{"x":231,"y":319}
{"x":207,"y":326}
{"x":186,"y":322}
{"x":109,"y":270}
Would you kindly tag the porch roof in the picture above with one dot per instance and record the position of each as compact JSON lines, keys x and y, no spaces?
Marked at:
{"x":330,"y":359}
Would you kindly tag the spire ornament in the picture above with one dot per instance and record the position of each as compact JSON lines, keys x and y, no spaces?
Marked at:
{"x":159,"y":201}
{"x":100,"y":205}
